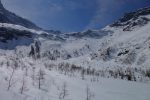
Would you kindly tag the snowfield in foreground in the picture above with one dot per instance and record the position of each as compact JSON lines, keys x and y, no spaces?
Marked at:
{"x":76,"y":89}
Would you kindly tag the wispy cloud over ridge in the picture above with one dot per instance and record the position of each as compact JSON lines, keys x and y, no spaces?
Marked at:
{"x":105,"y":8}
{"x":73,"y":15}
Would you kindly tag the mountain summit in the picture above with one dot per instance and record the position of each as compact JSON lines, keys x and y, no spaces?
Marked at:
{"x":11,"y":18}
{"x":133,"y":19}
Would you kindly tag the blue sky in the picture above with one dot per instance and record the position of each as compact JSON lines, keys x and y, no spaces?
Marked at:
{"x":73,"y":15}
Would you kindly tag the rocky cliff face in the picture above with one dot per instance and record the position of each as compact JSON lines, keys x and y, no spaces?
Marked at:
{"x":133,"y":19}
{"x":9,"y":17}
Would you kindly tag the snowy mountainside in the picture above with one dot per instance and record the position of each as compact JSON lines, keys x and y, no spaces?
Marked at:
{"x":13,"y":35}
{"x":89,"y":34}
{"x":133,"y":19}
{"x":111,"y":63}
{"x":87,"y":49}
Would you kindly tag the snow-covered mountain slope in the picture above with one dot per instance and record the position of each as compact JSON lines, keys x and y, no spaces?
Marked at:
{"x":133,"y":19}
{"x":12,"y":35}
{"x":88,"y":34}
{"x":110,"y":63}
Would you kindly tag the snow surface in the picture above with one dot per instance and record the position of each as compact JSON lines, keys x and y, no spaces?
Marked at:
{"x":104,"y":89}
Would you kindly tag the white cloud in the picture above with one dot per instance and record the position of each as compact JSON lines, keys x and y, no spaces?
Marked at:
{"x":105,"y":7}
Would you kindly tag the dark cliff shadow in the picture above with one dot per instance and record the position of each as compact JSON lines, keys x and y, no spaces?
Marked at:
{"x":11,"y":38}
